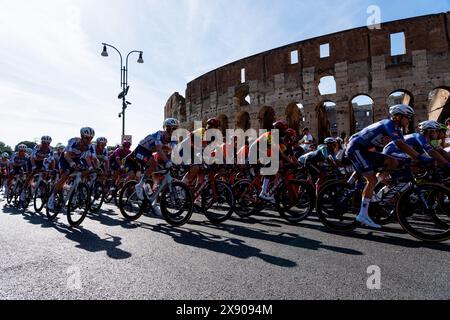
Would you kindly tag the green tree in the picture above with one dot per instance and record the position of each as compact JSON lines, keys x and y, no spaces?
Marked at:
{"x":5,"y":148}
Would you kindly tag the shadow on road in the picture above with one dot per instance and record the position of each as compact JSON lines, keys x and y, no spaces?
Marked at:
{"x":107,"y":218}
{"x":205,"y":240}
{"x":284,"y":238}
{"x":86,"y":239}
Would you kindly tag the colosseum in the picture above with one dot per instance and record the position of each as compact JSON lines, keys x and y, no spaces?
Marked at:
{"x":332,"y":84}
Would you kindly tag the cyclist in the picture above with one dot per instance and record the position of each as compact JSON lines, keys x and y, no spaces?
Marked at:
{"x":420,"y":142}
{"x":314,"y":161}
{"x":195,"y":174}
{"x":361,"y":151}
{"x":142,"y":156}
{"x":99,"y":154}
{"x":73,"y":158}
{"x":117,"y":159}
{"x":282,"y":128}
{"x":18,"y":163}
{"x":4,"y":167}
{"x":36,"y":160}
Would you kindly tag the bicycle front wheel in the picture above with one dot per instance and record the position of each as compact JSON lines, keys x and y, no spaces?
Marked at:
{"x":424,"y":212}
{"x":337,"y":205}
{"x":219,"y":206}
{"x":177,"y":204}
{"x":78,"y":205}
{"x":40,"y":197}
{"x":295,"y":201}
{"x":131,"y":207}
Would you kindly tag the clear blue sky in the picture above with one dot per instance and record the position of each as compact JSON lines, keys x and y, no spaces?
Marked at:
{"x":54,"y":81}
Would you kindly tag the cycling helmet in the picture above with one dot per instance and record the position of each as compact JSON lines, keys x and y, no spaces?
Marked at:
{"x":102,"y":140}
{"x":171,"y":123}
{"x":291,"y":133}
{"x":46,"y":139}
{"x":22,"y":147}
{"x":429,"y":125}
{"x":5,"y":155}
{"x":340,"y":140}
{"x":281,"y":125}
{"x":61,"y":147}
{"x":87,"y":132}
{"x":330,"y":140}
{"x":213,"y":122}
{"x":402,"y":109}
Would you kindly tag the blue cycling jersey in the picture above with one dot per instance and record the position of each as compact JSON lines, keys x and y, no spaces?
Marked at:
{"x":319,"y":155}
{"x":39,"y":154}
{"x":155,"y":139}
{"x":416,"y":140}
{"x":376,"y":135}
{"x":76,"y":148}
{"x":18,"y":161}
{"x":102,"y":156}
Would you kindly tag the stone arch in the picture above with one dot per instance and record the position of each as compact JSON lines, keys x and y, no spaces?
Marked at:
{"x":266,"y":117}
{"x":294,"y":116}
{"x":243,"y":120}
{"x":439,"y":104}
{"x":223,"y":123}
{"x":327,"y":84}
{"x":401,"y":96}
{"x":242,"y":96}
{"x":326,"y":120}
{"x":361,"y":112}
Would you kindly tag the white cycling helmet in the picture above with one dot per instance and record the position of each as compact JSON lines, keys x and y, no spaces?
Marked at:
{"x":46,"y":139}
{"x":171,"y":123}
{"x":330,"y":140}
{"x":87,"y":132}
{"x":102,"y":140}
{"x":402,"y":109}
{"x":22,"y":147}
{"x":5,"y":155}
{"x":429,"y":125}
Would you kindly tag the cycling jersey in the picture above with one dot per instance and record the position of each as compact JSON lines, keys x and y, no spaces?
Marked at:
{"x":416,"y":141}
{"x":156,"y":139}
{"x":376,"y":135}
{"x":39,"y":154}
{"x":319,"y":155}
{"x":102,"y":156}
{"x":19,"y":161}
{"x":362,"y":146}
{"x":76,"y":148}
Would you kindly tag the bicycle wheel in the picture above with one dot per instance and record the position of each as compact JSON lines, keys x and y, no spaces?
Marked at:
{"x":96,"y":197}
{"x":295,"y":202}
{"x":337,"y":205}
{"x":423,"y":212}
{"x":177,"y":204}
{"x":108,"y":192}
{"x":246,"y":198}
{"x":27,"y":199}
{"x":131,"y":207}
{"x":59,"y":205}
{"x":78,"y":205}
{"x":10,"y":194}
{"x":220,"y":207}
{"x":40,"y":197}
{"x":17,"y":192}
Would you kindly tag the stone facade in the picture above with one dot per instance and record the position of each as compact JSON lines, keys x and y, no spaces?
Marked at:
{"x":361,"y":63}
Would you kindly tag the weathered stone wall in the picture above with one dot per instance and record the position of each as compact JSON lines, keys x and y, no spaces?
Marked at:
{"x":360,"y":60}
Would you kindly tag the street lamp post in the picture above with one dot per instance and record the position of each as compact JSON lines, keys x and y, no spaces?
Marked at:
{"x":123,"y":79}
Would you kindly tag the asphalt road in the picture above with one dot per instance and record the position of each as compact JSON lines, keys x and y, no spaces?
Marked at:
{"x":259,"y":258}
